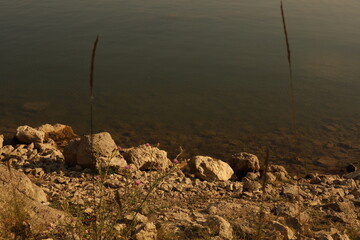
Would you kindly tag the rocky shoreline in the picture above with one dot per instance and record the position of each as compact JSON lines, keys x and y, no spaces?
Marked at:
{"x":54,"y":174}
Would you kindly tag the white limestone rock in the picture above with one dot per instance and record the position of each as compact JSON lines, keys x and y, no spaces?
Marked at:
{"x":27,"y":135}
{"x":210,"y":169}
{"x":146,"y":157}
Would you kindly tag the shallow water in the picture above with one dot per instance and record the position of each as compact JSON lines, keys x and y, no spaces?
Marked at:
{"x":207,"y":75}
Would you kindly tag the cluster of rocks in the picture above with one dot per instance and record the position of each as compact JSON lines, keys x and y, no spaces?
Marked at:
{"x":201,"y":197}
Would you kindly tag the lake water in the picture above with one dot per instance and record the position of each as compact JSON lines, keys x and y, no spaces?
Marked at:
{"x":210,"y":76}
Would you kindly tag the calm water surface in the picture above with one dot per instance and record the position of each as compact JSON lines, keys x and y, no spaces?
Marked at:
{"x":207,"y":75}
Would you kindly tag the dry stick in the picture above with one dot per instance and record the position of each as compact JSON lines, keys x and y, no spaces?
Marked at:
{"x":293,"y":110}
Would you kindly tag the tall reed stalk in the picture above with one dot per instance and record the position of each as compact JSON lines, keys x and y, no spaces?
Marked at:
{"x":293,"y":112}
{"x":92,"y":88}
{"x":92,"y":65}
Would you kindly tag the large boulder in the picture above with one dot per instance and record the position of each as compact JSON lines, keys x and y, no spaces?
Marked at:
{"x":20,"y":198}
{"x":60,"y":133}
{"x":22,"y":184}
{"x":146,"y":157}
{"x":104,"y":152}
{"x":210,"y":169}
{"x":243,"y":162}
{"x":26,"y":134}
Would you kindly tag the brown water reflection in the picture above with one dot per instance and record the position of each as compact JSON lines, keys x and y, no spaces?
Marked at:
{"x":207,"y":75}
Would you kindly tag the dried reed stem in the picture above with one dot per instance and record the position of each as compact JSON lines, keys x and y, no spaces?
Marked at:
{"x":293,"y":110}
{"x":95,"y":229}
{"x":92,"y":86}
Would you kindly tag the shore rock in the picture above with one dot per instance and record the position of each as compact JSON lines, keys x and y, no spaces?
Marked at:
{"x":105,"y":152}
{"x":60,"y":133}
{"x":218,"y":226}
{"x":353,"y":175}
{"x":146,"y":157}
{"x":243,"y":162}
{"x":26,"y":134}
{"x":147,"y":232}
{"x":287,"y":233}
{"x":181,"y":206}
{"x":1,"y":140}
{"x":210,"y":169}
{"x":21,"y":183}
{"x":251,"y":185}
{"x":279,"y":172}
{"x":16,"y":189}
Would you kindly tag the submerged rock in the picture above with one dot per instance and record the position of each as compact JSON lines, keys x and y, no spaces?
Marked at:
{"x":35,"y":106}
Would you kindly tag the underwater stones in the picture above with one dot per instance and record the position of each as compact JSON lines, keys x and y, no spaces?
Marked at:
{"x":35,"y":106}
